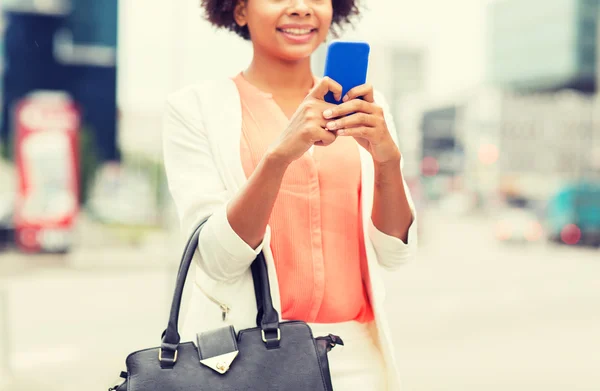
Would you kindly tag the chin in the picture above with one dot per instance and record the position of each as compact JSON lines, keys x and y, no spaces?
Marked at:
{"x":296,"y":54}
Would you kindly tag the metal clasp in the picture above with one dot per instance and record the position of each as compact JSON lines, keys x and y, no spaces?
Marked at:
{"x":160,"y":356}
{"x":264,"y":337}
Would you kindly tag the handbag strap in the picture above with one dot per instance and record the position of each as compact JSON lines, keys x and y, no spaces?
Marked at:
{"x":267,"y":318}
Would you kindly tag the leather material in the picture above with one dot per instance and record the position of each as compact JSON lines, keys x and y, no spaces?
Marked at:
{"x":324,"y":346}
{"x":217,"y":349}
{"x":272,"y":356}
{"x":330,"y":341}
{"x":256,"y":368}
{"x":267,"y":316}
{"x":216,"y":342}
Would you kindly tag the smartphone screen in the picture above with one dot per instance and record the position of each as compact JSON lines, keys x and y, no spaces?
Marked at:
{"x":347,"y":63}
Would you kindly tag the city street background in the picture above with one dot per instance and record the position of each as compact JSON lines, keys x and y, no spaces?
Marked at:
{"x":498,"y":119}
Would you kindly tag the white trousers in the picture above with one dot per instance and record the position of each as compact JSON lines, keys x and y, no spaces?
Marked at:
{"x":358,"y":365}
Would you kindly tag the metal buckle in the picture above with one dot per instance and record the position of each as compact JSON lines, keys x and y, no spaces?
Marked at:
{"x":264,"y":337}
{"x":160,"y":356}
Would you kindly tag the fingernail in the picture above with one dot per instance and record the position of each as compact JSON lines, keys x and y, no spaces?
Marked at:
{"x":341,"y":132}
{"x":331,"y":125}
{"x":345,"y":98}
{"x":327,"y":113}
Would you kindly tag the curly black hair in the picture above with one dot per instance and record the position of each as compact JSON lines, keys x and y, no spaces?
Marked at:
{"x":220,"y":14}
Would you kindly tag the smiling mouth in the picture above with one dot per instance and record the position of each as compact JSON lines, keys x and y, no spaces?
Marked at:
{"x":298,"y":32}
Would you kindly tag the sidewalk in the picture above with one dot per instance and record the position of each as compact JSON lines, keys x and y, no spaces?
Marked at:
{"x":71,"y":329}
{"x":56,"y":308}
{"x":69,"y":326}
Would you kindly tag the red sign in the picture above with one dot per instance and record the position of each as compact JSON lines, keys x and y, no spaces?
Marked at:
{"x":47,"y":126}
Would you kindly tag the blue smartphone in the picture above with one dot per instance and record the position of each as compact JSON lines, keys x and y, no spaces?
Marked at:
{"x":347,"y":63}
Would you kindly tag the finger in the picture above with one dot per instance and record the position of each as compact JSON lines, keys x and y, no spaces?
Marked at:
{"x":325,"y":85}
{"x":364,"y":132}
{"x":353,"y":121}
{"x":365,"y":91}
{"x":326,"y":138}
{"x":353,"y":106}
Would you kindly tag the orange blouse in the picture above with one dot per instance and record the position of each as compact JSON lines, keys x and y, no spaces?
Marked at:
{"x":316,"y":227}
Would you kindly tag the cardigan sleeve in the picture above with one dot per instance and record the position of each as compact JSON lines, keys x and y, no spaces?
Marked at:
{"x":391,"y":251}
{"x":198,"y":191}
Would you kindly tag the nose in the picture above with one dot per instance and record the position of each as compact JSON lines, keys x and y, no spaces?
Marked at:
{"x":300,"y":8}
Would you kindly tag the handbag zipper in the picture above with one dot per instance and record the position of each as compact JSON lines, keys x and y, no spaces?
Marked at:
{"x":224,"y":307}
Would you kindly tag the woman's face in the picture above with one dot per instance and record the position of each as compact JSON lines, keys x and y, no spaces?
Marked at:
{"x":290,"y":30}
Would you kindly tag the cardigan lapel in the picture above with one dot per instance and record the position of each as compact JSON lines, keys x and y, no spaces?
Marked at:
{"x":223,"y":123}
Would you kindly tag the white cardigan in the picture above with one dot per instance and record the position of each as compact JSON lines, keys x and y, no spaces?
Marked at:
{"x":201,"y":140}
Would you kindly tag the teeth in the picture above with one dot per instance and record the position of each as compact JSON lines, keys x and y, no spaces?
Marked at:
{"x":297,"y":31}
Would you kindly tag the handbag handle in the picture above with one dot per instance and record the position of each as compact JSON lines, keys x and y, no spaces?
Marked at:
{"x":267,"y":318}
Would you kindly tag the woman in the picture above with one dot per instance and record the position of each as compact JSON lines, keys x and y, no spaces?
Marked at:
{"x":317,"y":188}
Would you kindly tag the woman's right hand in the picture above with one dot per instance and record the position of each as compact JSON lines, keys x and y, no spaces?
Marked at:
{"x":307,"y":126}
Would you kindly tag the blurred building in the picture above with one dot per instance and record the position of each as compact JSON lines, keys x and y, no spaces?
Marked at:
{"x":442,"y":150}
{"x":547,"y":45}
{"x":542,"y":61}
{"x":479,"y":123}
{"x":64,"y":45}
{"x":528,"y":144}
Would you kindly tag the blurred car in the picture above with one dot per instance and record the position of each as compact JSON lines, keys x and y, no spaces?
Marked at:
{"x":519,"y":221}
{"x":573,"y":214}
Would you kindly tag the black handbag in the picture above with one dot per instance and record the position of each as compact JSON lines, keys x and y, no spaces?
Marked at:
{"x":273,"y":356}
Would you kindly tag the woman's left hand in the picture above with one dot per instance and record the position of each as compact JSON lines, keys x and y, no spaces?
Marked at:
{"x":364,"y":120}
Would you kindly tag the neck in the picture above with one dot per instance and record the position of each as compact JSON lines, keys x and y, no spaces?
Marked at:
{"x":280,"y":77}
